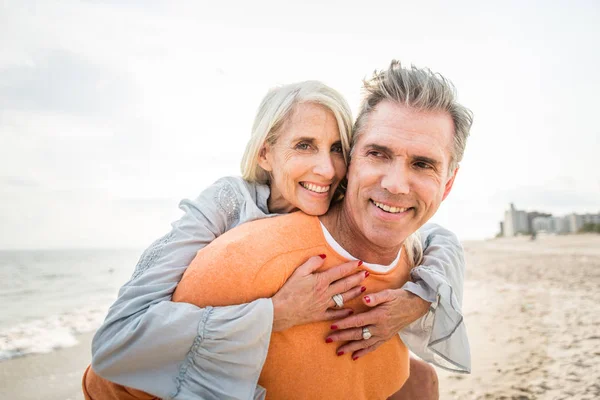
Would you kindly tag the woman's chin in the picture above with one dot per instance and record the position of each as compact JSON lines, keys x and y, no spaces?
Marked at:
{"x":315,"y":209}
{"x":313,"y":203}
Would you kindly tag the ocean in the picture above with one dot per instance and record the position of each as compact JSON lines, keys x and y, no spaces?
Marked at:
{"x":48,"y":297}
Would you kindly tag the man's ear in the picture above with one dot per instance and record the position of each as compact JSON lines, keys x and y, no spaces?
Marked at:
{"x":449,"y":183}
{"x":263,"y":158}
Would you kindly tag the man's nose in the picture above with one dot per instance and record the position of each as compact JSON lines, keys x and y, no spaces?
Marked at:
{"x":324,"y":166}
{"x":396,"y":180}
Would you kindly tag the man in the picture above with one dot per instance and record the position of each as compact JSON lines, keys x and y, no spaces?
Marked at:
{"x":410,"y":136}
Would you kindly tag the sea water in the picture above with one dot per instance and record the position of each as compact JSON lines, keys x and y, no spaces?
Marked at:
{"x":47,"y":297}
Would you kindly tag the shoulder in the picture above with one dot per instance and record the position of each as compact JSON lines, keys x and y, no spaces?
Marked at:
{"x":235,"y":199}
{"x":248,"y":198}
{"x":263,"y":252}
{"x":431,"y":231}
{"x":240,"y":186}
{"x":271,"y":236}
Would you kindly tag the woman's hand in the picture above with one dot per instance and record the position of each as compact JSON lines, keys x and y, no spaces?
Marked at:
{"x":307,"y":296}
{"x":391,"y":311}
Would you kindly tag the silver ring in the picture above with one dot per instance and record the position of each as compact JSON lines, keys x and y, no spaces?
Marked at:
{"x":338,"y":300}
{"x":366,"y":333}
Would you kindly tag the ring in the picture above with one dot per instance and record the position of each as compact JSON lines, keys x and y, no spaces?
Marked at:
{"x":338,"y":300}
{"x":366,"y":333}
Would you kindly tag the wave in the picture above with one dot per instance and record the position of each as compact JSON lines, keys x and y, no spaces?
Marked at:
{"x":48,"y":334}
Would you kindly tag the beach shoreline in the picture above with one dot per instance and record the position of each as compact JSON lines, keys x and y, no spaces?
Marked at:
{"x":531,"y":310}
{"x":51,"y":376}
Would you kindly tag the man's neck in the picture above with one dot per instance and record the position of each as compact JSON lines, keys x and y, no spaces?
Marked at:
{"x":342,"y":227}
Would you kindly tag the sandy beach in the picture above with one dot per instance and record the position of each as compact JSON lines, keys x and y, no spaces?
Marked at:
{"x":51,"y":376}
{"x":532,"y":312}
{"x":533,"y":317}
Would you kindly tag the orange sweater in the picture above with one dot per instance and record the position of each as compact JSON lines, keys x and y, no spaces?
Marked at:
{"x":254,"y":261}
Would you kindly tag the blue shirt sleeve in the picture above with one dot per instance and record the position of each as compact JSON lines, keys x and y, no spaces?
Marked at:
{"x":440,"y":337}
{"x":173,"y":350}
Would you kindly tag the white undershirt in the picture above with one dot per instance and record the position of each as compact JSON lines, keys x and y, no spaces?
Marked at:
{"x":342,"y":252}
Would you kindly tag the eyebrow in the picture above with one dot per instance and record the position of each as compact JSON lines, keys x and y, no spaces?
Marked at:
{"x":378,"y":147}
{"x":386,"y":149}
{"x":427,"y":160}
{"x":311,"y":140}
{"x":304,"y":139}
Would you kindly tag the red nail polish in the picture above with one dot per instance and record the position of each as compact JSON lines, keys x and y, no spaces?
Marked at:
{"x":359,"y":263}
{"x":323,"y":256}
{"x":340,"y":353}
{"x":362,"y":289}
{"x":367,"y":299}
{"x":354,"y":358}
{"x":367,"y":273}
{"x":333,"y":327}
{"x":328,"y":340}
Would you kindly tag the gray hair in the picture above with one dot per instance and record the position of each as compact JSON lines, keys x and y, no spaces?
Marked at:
{"x":276,"y":108}
{"x":417,"y":88}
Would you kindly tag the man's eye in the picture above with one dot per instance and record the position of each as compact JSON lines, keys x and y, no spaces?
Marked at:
{"x":423,"y":165}
{"x":374,"y":153}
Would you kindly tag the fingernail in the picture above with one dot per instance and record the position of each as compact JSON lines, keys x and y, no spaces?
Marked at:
{"x":359,"y":263}
{"x":351,"y":312}
{"x":328,"y":340}
{"x":333,"y":327}
{"x":362,"y":289}
{"x":367,"y":299}
{"x":367,"y":273}
{"x":323,"y":256}
{"x":340,"y":353}
{"x":354,"y":358}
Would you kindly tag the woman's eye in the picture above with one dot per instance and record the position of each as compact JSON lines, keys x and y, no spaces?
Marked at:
{"x":337,"y":148}
{"x":303,"y":146}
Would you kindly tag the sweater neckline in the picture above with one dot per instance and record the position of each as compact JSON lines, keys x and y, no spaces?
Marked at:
{"x":336,"y":247}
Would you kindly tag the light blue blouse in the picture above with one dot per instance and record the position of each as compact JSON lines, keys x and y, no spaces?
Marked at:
{"x":179,"y":351}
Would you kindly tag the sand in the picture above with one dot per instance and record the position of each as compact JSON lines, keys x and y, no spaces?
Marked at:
{"x":532,"y":311}
{"x":51,"y":376}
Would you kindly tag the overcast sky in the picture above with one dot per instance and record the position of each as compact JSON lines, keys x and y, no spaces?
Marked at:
{"x":112,"y":111}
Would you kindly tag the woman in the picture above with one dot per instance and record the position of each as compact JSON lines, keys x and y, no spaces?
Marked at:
{"x":126,"y":354}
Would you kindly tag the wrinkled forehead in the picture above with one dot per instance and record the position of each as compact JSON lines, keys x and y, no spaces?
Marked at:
{"x":428,"y":133}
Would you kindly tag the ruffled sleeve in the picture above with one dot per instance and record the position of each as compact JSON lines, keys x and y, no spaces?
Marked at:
{"x":440,"y":337}
{"x":231,"y":348}
{"x":146,"y":338}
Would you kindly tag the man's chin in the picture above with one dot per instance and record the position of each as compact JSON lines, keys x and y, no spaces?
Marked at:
{"x":388,"y":238}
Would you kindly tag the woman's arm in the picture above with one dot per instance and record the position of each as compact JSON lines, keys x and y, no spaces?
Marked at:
{"x":426,"y":311}
{"x":147,"y":341}
{"x":150,"y":343}
{"x":440,"y":337}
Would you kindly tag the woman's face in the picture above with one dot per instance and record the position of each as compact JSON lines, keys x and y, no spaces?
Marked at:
{"x":306,"y":162}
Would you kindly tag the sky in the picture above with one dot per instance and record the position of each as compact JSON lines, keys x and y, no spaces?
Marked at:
{"x":113,"y":111}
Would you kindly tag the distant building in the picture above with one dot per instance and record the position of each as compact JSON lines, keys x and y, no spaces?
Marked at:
{"x":515,"y":222}
{"x":575,"y":222}
{"x":520,"y":222}
{"x":542,"y":224}
{"x":533,"y":215}
{"x":591,"y":218}
{"x":561,"y":225}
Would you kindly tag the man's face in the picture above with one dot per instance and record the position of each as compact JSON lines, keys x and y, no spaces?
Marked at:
{"x":399,"y":172}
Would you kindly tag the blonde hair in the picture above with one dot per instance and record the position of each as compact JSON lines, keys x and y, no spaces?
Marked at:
{"x":421,"y":89}
{"x":277,"y":107}
{"x":414,"y":249}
